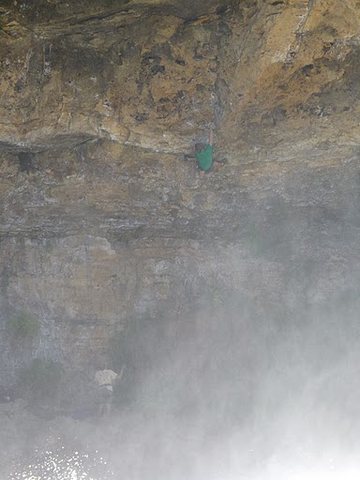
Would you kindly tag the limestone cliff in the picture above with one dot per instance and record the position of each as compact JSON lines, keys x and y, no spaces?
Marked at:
{"x":102,"y":220}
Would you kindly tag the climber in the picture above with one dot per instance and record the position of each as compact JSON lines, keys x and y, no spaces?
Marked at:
{"x":106,"y":380}
{"x":204,"y":155}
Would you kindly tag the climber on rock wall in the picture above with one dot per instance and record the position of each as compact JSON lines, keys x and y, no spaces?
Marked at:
{"x":204,"y":154}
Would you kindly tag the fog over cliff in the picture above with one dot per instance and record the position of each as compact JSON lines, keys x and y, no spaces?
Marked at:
{"x":227,"y":302}
{"x":230,"y":394}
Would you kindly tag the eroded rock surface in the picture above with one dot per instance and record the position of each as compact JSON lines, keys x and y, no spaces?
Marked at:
{"x":102,"y":219}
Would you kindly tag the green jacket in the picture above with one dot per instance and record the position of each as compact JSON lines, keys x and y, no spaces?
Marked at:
{"x":205,"y":158}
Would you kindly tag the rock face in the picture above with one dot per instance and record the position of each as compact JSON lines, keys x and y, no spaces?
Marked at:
{"x":102,"y":219}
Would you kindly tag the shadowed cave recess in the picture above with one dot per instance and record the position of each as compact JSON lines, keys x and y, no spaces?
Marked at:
{"x":227,"y":303}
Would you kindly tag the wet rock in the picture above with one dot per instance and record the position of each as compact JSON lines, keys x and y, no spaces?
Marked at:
{"x":100,"y":102}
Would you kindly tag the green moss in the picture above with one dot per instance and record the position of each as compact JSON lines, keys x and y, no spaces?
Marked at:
{"x":23,"y":326}
{"x":41,"y":379}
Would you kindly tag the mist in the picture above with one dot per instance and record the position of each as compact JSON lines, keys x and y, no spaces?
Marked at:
{"x":250,"y":369}
{"x":237,"y":389}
